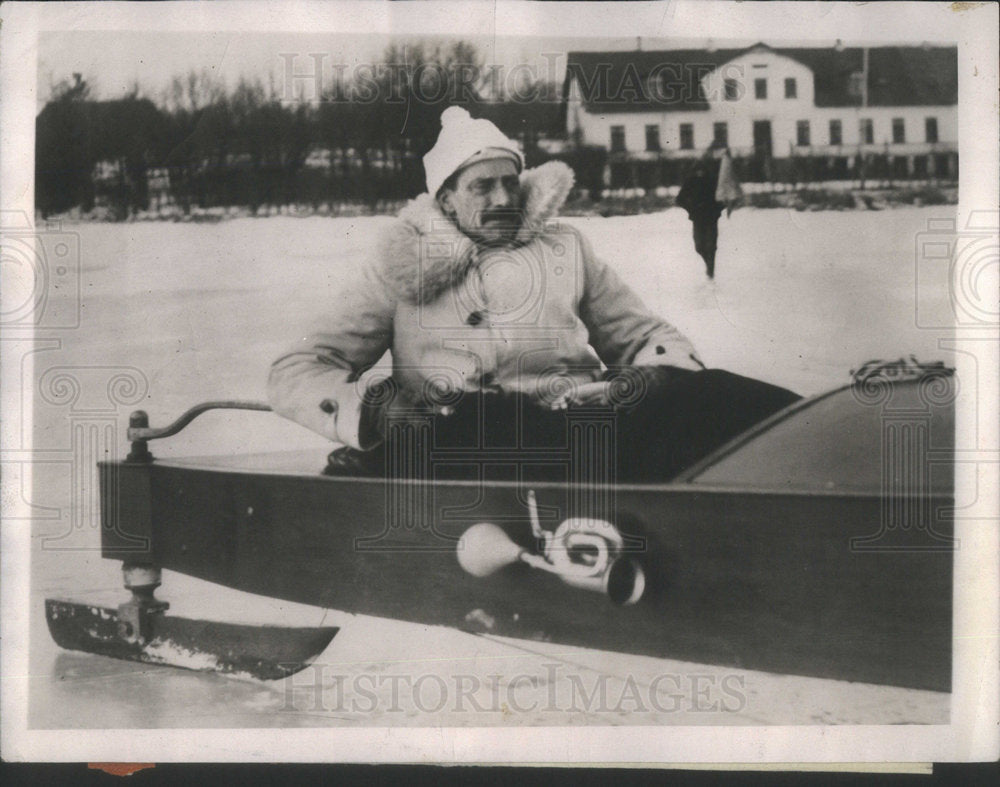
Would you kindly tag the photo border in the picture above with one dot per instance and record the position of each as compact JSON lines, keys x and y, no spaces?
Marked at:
{"x":972,"y":733}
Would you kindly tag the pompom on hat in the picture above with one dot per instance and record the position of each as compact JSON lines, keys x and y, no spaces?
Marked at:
{"x":464,"y":141}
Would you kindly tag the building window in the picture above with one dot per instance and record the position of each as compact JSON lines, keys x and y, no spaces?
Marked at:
{"x":836,"y":133}
{"x":720,"y":135}
{"x":760,"y":88}
{"x":617,"y":139}
{"x":866,"y":131}
{"x":732,"y":89}
{"x":802,"y":133}
{"x":898,"y":131}
{"x":653,"y":138}
{"x":791,"y":88}
{"x":687,"y":136}
{"x":931,"y":129}
{"x":856,"y":87}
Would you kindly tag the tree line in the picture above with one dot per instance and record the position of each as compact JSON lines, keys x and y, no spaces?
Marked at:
{"x":252,"y":146}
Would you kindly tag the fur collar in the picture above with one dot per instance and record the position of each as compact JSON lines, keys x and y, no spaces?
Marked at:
{"x":423,"y":253}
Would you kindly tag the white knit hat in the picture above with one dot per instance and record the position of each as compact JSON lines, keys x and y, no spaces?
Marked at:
{"x":464,"y":141}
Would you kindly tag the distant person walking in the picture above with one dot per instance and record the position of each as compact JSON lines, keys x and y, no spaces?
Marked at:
{"x":704,"y":194}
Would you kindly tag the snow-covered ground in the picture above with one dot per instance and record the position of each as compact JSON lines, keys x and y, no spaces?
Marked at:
{"x":189,"y":312}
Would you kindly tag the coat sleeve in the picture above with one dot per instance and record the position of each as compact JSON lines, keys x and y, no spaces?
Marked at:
{"x":622,"y":330}
{"x":320,"y":381}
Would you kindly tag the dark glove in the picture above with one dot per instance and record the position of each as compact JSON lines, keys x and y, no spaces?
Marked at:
{"x":347,"y":461}
{"x":628,"y":386}
{"x":376,"y":401}
{"x":371,"y":425}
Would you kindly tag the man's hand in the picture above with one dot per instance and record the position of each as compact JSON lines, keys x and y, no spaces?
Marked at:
{"x":585,"y":395}
{"x":622,"y":388}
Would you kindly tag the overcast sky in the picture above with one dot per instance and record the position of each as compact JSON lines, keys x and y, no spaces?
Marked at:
{"x":113,"y":62}
{"x":116,"y":45}
{"x":152,"y":59}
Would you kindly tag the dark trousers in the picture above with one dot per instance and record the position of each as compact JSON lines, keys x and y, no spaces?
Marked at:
{"x":706,"y":240}
{"x":663,"y":421}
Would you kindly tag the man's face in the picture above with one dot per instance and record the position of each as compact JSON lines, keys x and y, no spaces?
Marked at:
{"x":486,"y":201}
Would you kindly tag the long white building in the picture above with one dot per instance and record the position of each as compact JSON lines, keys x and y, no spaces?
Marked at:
{"x":767,"y":102}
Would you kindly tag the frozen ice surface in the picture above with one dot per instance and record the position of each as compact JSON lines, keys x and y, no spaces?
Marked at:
{"x":199,"y":311}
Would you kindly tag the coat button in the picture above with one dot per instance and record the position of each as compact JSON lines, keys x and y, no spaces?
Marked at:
{"x":475,"y":318}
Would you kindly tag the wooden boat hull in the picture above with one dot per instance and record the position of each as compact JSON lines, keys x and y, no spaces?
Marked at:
{"x":757,"y":580}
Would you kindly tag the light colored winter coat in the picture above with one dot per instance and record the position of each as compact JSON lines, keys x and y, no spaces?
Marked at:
{"x":536,"y":316}
{"x":728,"y":190}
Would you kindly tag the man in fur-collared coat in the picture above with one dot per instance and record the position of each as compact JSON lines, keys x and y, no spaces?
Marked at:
{"x":481,"y":295}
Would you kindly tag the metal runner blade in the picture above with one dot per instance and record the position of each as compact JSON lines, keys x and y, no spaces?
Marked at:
{"x":263,"y":652}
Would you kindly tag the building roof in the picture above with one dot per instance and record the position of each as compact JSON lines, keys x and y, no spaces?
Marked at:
{"x":897,"y":76}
